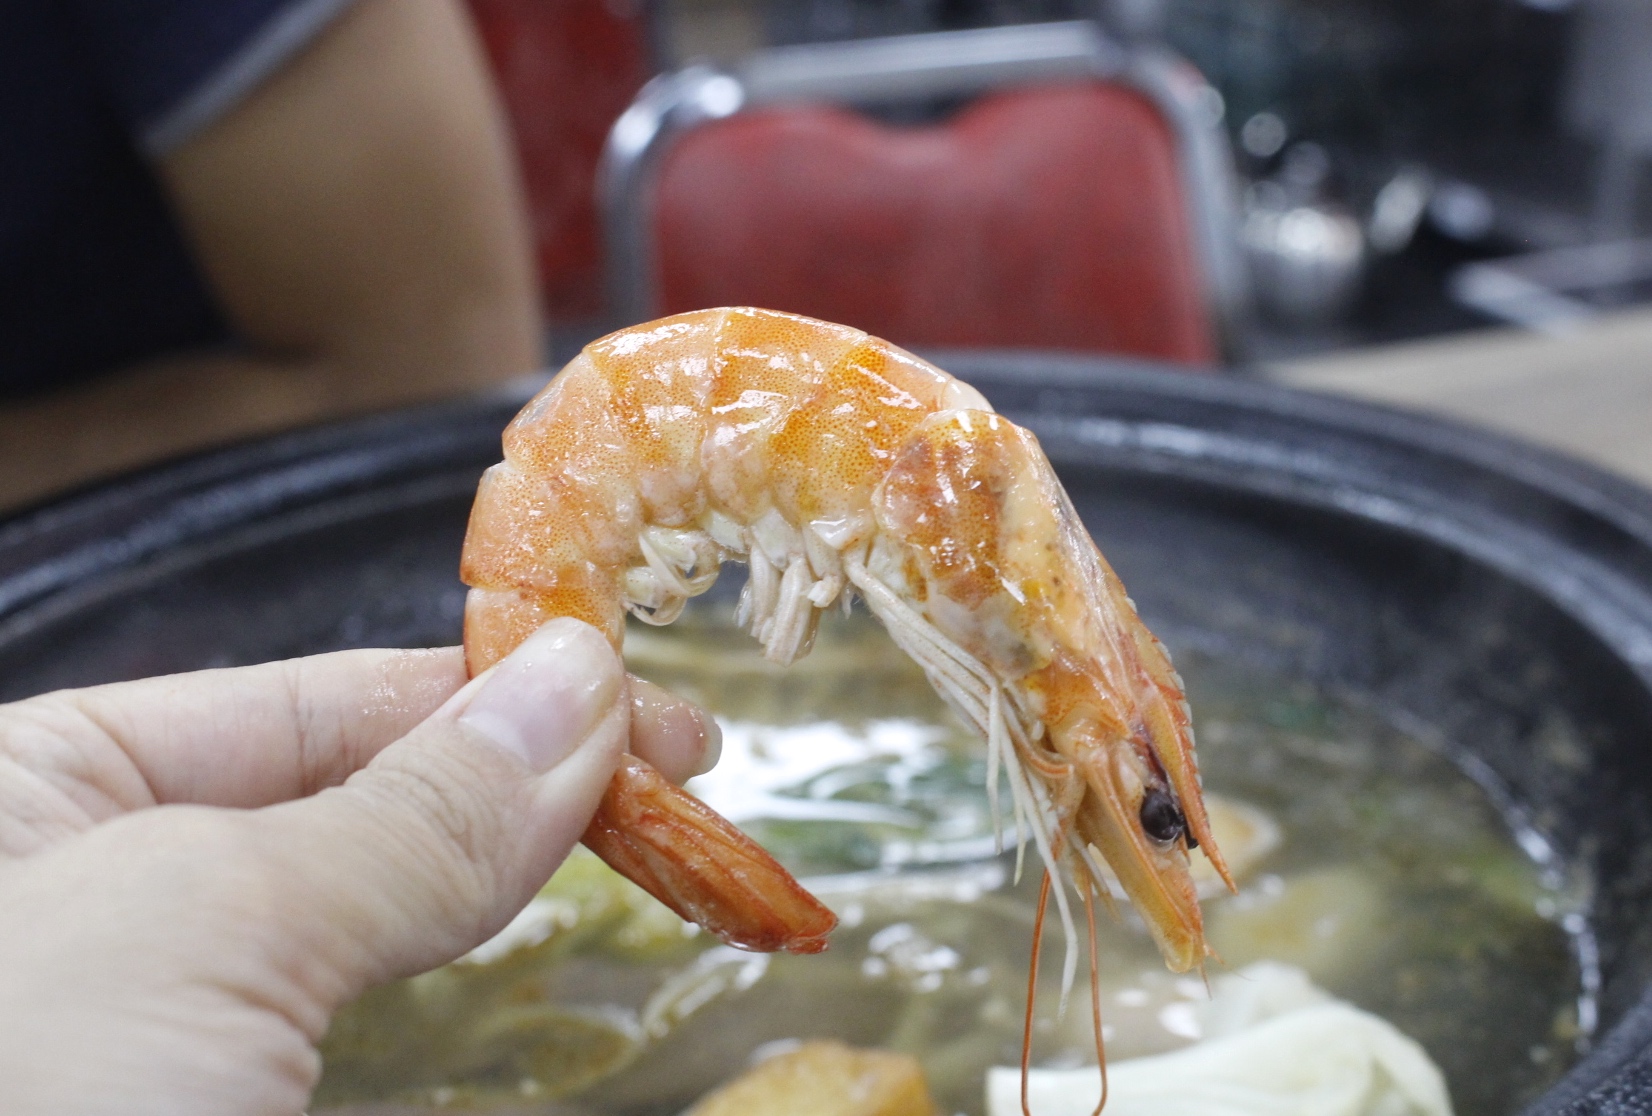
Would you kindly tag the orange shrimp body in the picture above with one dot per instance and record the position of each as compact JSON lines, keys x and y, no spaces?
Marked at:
{"x":833,"y":463}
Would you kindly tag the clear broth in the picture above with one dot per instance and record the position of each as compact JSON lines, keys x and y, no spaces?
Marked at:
{"x":1394,"y":881}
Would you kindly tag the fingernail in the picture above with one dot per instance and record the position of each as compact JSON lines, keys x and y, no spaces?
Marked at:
{"x":545,"y":697}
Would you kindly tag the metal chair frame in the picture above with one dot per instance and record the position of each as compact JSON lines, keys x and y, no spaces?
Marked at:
{"x":912,"y":68}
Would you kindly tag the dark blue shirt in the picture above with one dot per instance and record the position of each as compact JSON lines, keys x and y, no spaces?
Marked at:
{"x":94,"y":272}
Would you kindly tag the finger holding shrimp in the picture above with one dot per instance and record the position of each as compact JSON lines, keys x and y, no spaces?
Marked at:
{"x":186,"y":957}
{"x":253,"y":736}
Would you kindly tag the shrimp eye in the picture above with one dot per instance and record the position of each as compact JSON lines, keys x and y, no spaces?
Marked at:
{"x":1160,"y":816}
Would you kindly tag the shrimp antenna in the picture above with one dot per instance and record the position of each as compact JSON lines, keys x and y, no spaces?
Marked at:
{"x":1032,"y":991}
{"x":1095,"y":993}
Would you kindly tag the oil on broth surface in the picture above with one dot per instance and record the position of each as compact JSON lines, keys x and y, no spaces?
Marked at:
{"x":1368,"y":859}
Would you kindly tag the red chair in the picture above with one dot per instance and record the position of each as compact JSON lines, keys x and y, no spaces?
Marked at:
{"x":566,"y":70}
{"x":1092,"y":213}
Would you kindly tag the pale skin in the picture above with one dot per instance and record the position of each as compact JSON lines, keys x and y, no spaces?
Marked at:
{"x":197,"y":871}
{"x":360,"y":221}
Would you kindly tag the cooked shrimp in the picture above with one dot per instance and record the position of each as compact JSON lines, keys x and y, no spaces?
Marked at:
{"x":834,"y":463}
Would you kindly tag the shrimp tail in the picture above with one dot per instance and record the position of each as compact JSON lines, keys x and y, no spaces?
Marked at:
{"x":697,"y":863}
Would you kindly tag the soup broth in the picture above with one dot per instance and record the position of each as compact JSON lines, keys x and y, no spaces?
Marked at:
{"x":1366,"y":857}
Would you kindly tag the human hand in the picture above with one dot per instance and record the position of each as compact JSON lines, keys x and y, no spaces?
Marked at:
{"x":197,"y":871}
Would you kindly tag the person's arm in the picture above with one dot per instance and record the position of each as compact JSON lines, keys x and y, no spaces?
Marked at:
{"x":359,"y":214}
{"x":359,"y":218}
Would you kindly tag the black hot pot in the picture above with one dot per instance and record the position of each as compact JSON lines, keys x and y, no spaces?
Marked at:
{"x":1453,"y":578}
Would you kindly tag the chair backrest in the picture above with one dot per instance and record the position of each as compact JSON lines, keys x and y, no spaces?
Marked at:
{"x":1043,"y":218}
{"x":566,"y":70}
{"x":1084,"y":202}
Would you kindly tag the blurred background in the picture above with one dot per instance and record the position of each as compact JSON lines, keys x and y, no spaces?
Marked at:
{"x":1432,"y":203}
{"x":1409,"y":139}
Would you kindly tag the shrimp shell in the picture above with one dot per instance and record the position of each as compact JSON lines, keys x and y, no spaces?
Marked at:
{"x":832,"y":463}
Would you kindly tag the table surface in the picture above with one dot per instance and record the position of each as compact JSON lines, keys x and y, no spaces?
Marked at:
{"x":1587,"y":393}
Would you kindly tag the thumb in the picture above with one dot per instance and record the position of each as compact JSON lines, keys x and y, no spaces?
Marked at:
{"x":435,"y":845}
